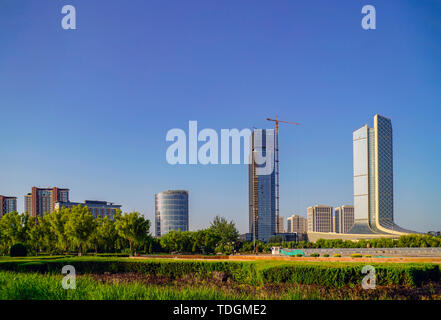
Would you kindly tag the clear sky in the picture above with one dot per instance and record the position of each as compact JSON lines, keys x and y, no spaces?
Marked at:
{"x":89,"y":109}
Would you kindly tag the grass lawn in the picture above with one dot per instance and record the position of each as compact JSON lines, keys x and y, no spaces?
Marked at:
{"x":114,"y":278}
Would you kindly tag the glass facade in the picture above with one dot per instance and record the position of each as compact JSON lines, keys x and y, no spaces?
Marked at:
{"x":171,"y":211}
{"x":385,"y":187}
{"x":262,"y":188}
{"x":7,"y":205}
{"x":373,"y":179}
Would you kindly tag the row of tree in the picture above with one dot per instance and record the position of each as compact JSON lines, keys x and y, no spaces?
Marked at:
{"x":69,"y":229}
{"x":75,"y":229}
{"x":405,"y":241}
{"x":221,"y":237}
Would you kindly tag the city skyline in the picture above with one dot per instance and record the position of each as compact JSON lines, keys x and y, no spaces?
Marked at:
{"x":89,"y":109}
{"x":262,"y":134}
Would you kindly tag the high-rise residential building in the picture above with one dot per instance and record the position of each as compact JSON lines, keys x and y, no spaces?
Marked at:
{"x":262,"y":185}
{"x":373,"y":179}
{"x":320,"y":218}
{"x":297,"y":223}
{"x":7,"y":205}
{"x":281,"y":225}
{"x":97,"y":208}
{"x":343,"y":218}
{"x":171,"y":211}
{"x":42,"y":200}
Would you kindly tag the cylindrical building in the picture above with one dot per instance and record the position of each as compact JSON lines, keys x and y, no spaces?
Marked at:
{"x":171,"y":211}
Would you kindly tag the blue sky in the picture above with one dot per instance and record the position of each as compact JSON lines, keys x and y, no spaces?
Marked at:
{"x":89,"y":109}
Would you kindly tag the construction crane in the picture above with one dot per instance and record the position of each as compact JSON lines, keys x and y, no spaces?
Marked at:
{"x":277,"y":166}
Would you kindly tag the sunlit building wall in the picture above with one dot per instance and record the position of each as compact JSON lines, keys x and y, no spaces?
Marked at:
{"x":171,"y":211}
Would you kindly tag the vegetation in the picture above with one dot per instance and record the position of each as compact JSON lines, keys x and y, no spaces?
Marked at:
{"x":17,"y":286}
{"x":75,"y":230}
{"x":408,"y":241}
{"x":18,"y":250}
{"x":69,"y":230}
{"x":330,"y":274}
{"x":356,"y":255}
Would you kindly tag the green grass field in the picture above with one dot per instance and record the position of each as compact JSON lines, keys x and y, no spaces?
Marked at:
{"x":112,"y":278}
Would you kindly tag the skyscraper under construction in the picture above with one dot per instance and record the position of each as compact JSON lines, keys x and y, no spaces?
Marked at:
{"x":262,"y":185}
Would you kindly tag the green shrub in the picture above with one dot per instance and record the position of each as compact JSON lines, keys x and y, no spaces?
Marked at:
{"x":299,"y":255}
{"x":356,"y":255}
{"x":326,"y":255}
{"x":18,"y":250}
{"x":329,"y":274}
{"x":314,"y":255}
{"x":337,"y":255}
{"x":368,"y":256}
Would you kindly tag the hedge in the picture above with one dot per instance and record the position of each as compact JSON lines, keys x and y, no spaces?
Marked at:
{"x":250,"y":272}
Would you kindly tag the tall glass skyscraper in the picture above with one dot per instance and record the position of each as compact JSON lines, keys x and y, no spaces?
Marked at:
{"x":373,"y":179}
{"x":262,"y":186}
{"x":171,"y":211}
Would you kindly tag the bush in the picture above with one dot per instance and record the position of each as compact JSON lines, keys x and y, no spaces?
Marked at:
{"x":368,"y":256}
{"x":337,"y":255}
{"x":299,"y":255}
{"x":314,"y":255}
{"x":356,"y":255}
{"x":326,"y":255}
{"x":329,"y":274}
{"x":18,"y":250}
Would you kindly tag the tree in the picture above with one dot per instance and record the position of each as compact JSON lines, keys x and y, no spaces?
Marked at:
{"x":80,"y":227}
{"x":225,"y":233}
{"x":13,"y":229}
{"x":35,"y":236}
{"x":57,"y":221}
{"x":133,"y":227}
{"x":106,"y":234}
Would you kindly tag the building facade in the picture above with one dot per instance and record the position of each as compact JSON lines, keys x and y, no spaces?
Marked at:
{"x":171,"y":211}
{"x":42,"y":200}
{"x":298,"y":224}
{"x":262,"y":185}
{"x":343,"y":218}
{"x":373,"y":179}
{"x":7,"y":205}
{"x":320,"y":218}
{"x":97,"y":208}
{"x":281,"y":225}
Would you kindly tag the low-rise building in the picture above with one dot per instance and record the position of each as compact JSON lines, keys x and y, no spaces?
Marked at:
{"x":343,"y":218}
{"x":320,"y":218}
{"x":280,"y":225}
{"x":97,"y":208}
{"x":297,"y":223}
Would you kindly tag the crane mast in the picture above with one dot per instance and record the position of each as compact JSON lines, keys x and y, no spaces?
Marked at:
{"x":277,"y":121}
